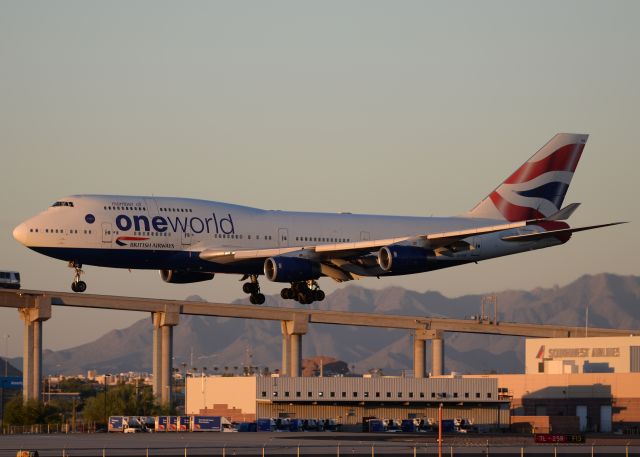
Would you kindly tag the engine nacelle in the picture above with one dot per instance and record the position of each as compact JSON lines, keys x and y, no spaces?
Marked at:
{"x":290,"y":269}
{"x":184,"y":277}
{"x":403,"y":259}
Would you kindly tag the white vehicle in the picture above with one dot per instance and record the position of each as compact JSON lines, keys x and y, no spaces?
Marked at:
{"x":9,"y":280}
{"x":192,"y":240}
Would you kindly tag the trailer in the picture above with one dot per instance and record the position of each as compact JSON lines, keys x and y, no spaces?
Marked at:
{"x":178,"y":423}
{"x":206,"y":423}
{"x":116,"y":423}
{"x":161,"y":424}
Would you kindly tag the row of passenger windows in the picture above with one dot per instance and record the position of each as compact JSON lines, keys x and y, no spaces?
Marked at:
{"x":323,"y":239}
{"x":123,"y":208}
{"x":216,"y":235}
{"x":163,"y":210}
{"x":377,"y":394}
{"x":148,"y":233}
{"x":176,"y":210}
{"x":70,"y":232}
{"x":240,"y":237}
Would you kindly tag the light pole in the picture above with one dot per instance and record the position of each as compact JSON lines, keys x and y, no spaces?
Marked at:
{"x":6,"y":354}
{"x":203,"y":387}
{"x":106,"y":418}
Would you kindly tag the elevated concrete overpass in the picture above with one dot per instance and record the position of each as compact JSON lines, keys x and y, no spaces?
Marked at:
{"x":35,"y":307}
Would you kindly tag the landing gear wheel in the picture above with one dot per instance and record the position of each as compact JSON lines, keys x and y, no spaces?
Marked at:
{"x":257,"y":299}
{"x":304,"y":292}
{"x":250,"y":288}
{"x":287,"y":293}
{"x":253,"y":289}
{"x":77,"y":285}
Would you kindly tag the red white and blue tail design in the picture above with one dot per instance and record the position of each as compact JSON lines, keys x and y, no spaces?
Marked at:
{"x":536,"y":190}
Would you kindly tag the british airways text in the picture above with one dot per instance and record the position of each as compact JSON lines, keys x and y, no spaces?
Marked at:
{"x":141,"y":223}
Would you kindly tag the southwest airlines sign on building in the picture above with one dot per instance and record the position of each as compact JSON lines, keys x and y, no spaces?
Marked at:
{"x":583,"y":355}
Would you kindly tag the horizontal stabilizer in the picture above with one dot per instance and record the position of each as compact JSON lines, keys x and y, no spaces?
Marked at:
{"x":564,"y":214}
{"x":555,"y":233}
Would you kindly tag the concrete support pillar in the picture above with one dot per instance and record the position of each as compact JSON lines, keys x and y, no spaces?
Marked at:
{"x":38,"y":311}
{"x":286,"y":350}
{"x":157,"y":354}
{"x":167,"y":368}
{"x":437,"y":355}
{"x":27,"y":359}
{"x":419,"y":350}
{"x":296,"y":355}
{"x":36,"y":387}
{"x":294,"y":330}
{"x":163,"y":323}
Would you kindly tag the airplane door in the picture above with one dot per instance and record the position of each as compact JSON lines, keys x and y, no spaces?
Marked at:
{"x":283,"y":238}
{"x":106,"y":233}
{"x":365,"y":236}
{"x":186,"y":238}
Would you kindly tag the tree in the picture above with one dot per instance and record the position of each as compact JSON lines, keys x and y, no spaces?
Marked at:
{"x":122,"y":400}
{"x":33,"y":412}
{"x":83,"y":387}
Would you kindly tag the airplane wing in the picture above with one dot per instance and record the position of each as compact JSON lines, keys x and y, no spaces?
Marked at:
{"x":356,"y":248}
{"x":352,"y":260}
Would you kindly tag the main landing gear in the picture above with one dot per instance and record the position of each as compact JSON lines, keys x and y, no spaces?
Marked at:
{"x":77,"y":285}
{"x":253,"y":289}
{"x":305,"y":292}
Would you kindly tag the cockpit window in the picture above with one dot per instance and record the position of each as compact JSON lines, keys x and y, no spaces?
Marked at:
{"x":63,"y":204}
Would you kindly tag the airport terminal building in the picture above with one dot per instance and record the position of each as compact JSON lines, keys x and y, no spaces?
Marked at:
{"x":583,"y":355}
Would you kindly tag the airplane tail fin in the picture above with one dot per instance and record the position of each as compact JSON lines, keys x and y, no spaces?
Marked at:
{"x":536,"y":189}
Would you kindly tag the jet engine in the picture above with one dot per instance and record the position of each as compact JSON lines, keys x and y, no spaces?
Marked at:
{"x":184,"y":276}
{"x":290,"y":269}
{"x":403,"y":259}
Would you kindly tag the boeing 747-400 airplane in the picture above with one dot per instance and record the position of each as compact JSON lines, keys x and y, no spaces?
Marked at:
{"x":191,"y":240}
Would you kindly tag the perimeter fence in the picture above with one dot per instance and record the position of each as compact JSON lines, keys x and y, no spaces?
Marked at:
{"x":336,"y":450}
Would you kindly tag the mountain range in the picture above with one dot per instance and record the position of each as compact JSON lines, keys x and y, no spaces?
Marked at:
{"x":215,"y":343}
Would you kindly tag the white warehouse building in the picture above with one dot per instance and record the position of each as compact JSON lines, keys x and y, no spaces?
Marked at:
{"x":349,"y":400}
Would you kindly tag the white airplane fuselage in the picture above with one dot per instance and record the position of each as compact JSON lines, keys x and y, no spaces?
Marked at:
{"x":166,"y":233}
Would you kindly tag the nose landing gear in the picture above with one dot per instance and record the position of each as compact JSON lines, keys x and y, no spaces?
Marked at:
{"x":253,"y":289}
{"x":77,"y":285}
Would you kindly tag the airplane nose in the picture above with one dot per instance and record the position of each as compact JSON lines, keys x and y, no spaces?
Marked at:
{"x":20,"y":233}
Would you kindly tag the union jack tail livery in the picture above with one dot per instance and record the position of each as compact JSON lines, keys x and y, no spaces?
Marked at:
{"x":536,"y":190}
